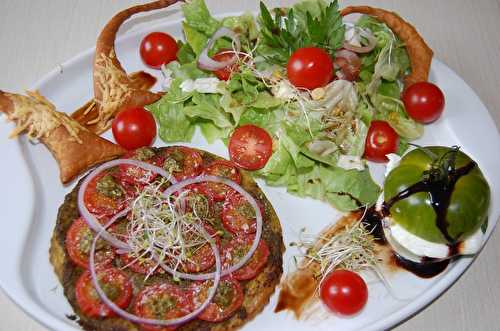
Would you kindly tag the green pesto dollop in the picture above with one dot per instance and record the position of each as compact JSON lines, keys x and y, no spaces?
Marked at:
{"x":108,"y":186}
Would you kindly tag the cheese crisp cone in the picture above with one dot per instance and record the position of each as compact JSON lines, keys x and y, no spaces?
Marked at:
{"x":75,"y":148}
{"x":114,"y":90}
{"x":419,"y":53}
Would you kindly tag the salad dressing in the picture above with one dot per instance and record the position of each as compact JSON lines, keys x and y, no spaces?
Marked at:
{"x":440,"y":194}
{"x":427,"y":268}
{"x":440,"y":199}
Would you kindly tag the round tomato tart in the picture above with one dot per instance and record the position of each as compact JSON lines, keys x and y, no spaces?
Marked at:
{"x":136,"y":283}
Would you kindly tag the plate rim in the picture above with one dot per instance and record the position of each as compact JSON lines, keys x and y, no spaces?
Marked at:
{"x":432,"y":293}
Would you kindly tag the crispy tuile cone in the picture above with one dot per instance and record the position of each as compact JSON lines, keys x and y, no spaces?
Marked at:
{"x":419,"y":53}
{"x":113,"y":89}
{"x":88,"y":113}
{"x":72,"y":156}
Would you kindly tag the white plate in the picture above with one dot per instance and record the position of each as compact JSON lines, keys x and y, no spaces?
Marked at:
{"x":32,"y":193}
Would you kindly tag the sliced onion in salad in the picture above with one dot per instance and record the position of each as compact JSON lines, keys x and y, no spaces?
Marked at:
{"x":366,"y":34}
{"x":91,"y":219}
{"x":258,"y":216}
{"x":207,"y":63}
{"x":140,"y":320}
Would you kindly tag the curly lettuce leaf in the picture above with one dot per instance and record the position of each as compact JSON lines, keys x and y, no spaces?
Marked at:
{"x":212,"y":132}
{"x":207,"y":106}
{"x":197,"y":16}
{"x":174,"y":125}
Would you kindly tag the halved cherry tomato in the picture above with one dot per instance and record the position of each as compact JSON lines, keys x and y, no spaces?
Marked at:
{"x":310,"y":67}
{"x":182,"y":162}
{"x":228,"y":298}
{"x":424,"y":102}
{"x":237,"y":248}
{"x":348,"y":63}
{"x":238,"y":215}
{"x":158,"y":48}
{"x":133,"y":128}
{"x":344,"y":292}
{"x":250,"y":147}
{"x":114,"y":283}
{"x":202,"y":257}
{"x":381,"y":140}
{"x":225,"y":55}
{"x":133,"y":175}
{"x":222,"y":168}
{"x":78,"y":241}
{"x":104,"y":197}
{"x":163,"y":302}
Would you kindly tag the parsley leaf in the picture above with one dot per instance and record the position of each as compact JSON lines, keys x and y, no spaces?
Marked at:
{"x":286,"y":31}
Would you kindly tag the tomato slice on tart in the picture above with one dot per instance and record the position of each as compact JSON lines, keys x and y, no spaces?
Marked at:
{"x":221,"y":168}
{"x":143,"y":266}
{"x":201,"y":258}
{"x":250,"y":147}
{"x":114,"y":283}
{"x":227,"y":300}
{"x":78,"y":241}
{"x":163,"y":302}
{"x":133,"y":175}
{"x":234,"y":250}
{"x":182,"y":162}
{"x":105,"y":196}
{"x":198,"y":201}
{"x":238,"y":215}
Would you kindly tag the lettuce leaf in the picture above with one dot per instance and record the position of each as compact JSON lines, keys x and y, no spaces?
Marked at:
{"x":207,"y":106}
{"x":174,"y":125}
{"x":212,"y":132}
{"x":197,"y":16}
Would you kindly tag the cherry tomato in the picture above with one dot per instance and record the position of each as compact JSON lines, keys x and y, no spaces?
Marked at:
{"x":228,"y":298}
{"x":237,"y":248}
{"x":225,"y":55}
{"x":381,"y":140}
{"x":79,"y":238}
{"x":348,"y":63}
{"x":250,"y":147}
{"x":134,"y":128}
{"x":162,"y":301}
{"x":114,"y":283}
{"x":158,"y":48}
{"x":310,"y":67}
{"x":344,"y":292}
{"x":424,"y":102}
{"x":222,"y":168}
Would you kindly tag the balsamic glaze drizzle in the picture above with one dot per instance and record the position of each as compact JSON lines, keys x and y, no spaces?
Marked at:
{"x":439,"y":193}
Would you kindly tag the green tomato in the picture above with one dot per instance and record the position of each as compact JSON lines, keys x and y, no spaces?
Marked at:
{"x":467,"y":209}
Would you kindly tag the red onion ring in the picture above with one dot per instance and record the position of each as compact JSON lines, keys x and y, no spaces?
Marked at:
{"x":206,"y":62}
{"x":258,"y":216}
{"x":90,"y":219}
{"x":372,"y":42}
{"x":140,"y":320}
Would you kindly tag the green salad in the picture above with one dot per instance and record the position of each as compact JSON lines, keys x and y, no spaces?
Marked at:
{"x":318,"y":134}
